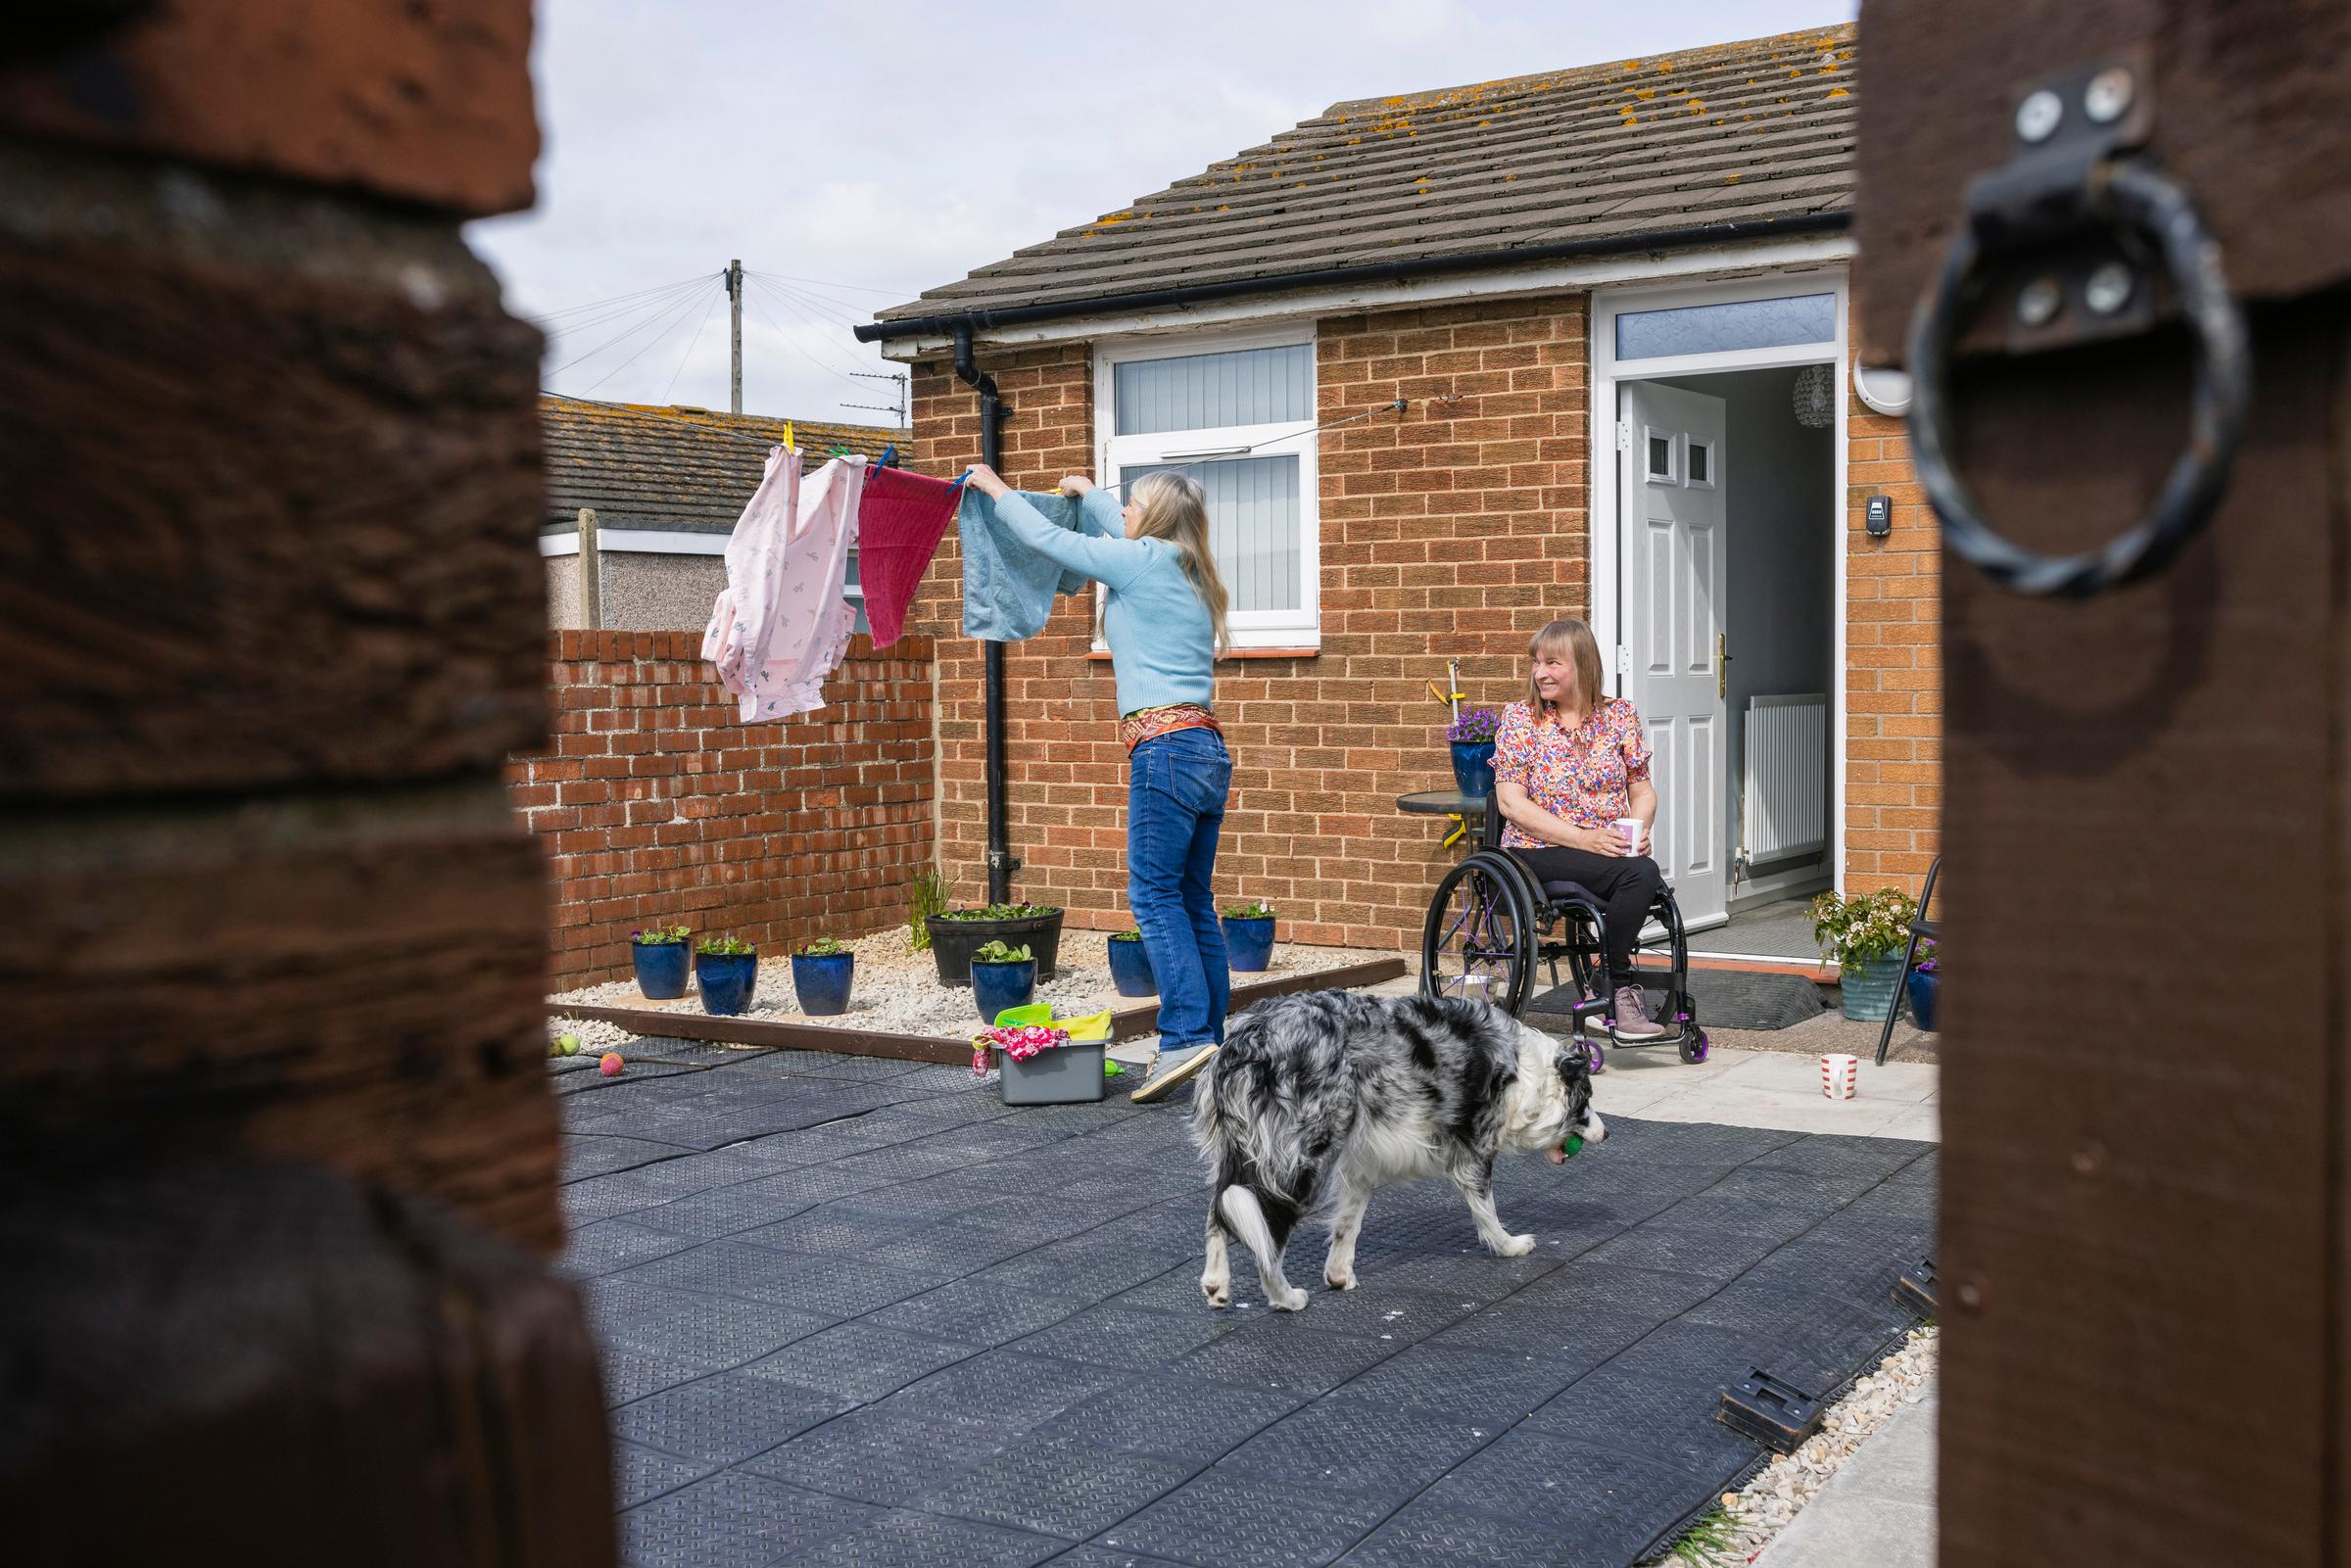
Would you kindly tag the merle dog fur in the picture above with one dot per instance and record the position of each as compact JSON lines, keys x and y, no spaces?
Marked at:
{"x":1314,"y":1100}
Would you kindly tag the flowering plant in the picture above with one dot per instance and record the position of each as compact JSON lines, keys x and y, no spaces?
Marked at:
{"x":1475,"y":726}
{"x":821,"y":948}
{"x":660,"y":935}
{"x":1853,"y":931}
{"x":1256,"y":910}
{"x":1927,"y":963}
{"x":724,"y":946}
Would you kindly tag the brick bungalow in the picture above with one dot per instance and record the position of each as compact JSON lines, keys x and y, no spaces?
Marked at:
{"x":1615,"y":301}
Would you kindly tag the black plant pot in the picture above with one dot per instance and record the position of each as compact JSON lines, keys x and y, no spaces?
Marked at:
{"x":954,"y":941}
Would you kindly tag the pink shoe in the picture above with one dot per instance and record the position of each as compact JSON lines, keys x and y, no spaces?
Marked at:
{"x":1632,"y":1021}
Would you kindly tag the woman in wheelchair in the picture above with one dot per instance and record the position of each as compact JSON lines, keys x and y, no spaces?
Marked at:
{"x":1569,"y":764}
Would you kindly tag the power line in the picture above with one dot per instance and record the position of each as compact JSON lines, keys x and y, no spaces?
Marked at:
{"x":854,"y":287}
{"x":689,"y":353}
{"x":622,"y":336}
{"x":640,"y":308}
{"x":794,"y":346}
{"x":788,"y":301}
{"x":597,"y":305}
{"x":667,"y":328}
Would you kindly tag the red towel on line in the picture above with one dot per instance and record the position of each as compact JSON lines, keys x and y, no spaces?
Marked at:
{"x":900,"y":519}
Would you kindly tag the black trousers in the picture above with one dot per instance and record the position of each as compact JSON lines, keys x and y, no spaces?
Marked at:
{"x":1623,"y":883}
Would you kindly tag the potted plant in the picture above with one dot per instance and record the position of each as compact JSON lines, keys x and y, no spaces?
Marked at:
{"x":821,"y":973}
{"x":1130,"y":965}
{"x":1002,"y":977}
{"x":959,"y":932}
{"x":1865,"y":934}
{"x":726,"y":969}
{"x":1926,"y":983}
{"x":659,"y":953}
{"x":1472,"y":738}
{"x":1249,"y":937}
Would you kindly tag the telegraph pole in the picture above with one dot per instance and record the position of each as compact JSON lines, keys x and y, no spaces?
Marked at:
{"x":735,"y":311}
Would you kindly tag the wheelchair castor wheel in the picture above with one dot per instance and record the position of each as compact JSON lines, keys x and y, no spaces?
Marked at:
{"x":1694,"y":1047}
{"x":1596,"y":1056}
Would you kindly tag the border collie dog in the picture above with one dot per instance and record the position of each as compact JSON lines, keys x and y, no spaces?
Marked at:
{"x":1317,"y":1099}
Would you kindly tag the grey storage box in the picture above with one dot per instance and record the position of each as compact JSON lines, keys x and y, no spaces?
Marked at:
{"x":1066,"y":1074}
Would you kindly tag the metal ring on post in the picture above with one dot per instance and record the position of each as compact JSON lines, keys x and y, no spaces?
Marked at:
{"x":2132,"y":194}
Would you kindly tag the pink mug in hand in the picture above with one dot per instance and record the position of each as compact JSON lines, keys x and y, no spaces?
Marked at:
{"x":1629,"y":829}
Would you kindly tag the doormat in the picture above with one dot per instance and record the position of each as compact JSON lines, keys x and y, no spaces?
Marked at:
{"x":1727,"y":999}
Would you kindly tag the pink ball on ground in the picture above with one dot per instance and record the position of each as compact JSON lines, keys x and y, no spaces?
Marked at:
{"x":611,"y":1065}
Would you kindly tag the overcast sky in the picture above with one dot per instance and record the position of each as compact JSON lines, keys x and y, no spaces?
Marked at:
{"x":858,"y":155}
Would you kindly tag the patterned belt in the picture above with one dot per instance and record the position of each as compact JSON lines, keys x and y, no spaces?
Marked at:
{"x":1145,"y":724}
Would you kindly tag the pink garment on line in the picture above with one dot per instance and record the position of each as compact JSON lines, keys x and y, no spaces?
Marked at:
{"x":900,"y":520}
{"x":781,"y":625}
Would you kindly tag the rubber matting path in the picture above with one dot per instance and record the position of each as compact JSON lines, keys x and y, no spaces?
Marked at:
{"x":860,"y":1313}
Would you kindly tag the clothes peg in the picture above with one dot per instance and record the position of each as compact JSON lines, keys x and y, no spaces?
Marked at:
{"x":788,"y":444}
{"x":889,"y":456}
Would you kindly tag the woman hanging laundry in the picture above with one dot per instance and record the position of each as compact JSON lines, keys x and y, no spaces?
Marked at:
{"x":1163,"y":614}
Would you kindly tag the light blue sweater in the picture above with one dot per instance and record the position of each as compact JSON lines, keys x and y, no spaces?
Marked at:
{"x":1162,"y":645}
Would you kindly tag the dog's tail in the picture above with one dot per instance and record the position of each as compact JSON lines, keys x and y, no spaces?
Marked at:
{"x":1245,"y":1118}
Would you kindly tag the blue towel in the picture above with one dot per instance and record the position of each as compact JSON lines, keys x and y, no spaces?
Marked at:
{"x":1008,"y":589}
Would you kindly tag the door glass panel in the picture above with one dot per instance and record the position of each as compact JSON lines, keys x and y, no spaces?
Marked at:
{"x":1718,"y":328}
{"x":1702,"y":463}
{"x":1661,"y":458}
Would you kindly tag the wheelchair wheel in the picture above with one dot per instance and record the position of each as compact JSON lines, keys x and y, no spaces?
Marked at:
{"x":1479,"y":937}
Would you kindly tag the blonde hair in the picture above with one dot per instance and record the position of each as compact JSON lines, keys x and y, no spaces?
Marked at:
{"x":1575,"y":640}
{"x":1173,"y":507}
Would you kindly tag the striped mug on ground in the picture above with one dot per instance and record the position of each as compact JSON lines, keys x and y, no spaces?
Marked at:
{"x":1839,"y":1075}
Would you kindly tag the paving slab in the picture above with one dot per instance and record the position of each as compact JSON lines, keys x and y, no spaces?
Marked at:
{"x":1877,"y":1508}
{"x":874,"y":1317}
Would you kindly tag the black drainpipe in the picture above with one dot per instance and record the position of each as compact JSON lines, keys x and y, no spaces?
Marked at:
{"x":1001,"y":861}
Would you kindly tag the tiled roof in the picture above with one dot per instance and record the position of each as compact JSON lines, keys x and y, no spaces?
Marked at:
{"x":1730,"y":132}
{"x":642,"y":466}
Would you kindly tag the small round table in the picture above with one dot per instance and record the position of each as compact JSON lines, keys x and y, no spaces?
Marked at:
{"x":1462,"y":809}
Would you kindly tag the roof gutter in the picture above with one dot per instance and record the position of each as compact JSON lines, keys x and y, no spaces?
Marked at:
{"x":1689,"y":237}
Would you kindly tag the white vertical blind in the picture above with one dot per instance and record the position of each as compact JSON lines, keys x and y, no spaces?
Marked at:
{"x":1253,"y":520}
{"x":1216,"y":391}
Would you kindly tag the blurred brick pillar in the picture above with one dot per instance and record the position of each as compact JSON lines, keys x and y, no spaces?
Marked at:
{"x":278,"y":1149}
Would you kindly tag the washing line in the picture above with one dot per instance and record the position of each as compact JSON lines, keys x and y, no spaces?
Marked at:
{"x":1396,"y":406}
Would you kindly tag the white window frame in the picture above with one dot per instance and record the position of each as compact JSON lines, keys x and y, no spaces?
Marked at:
{"x":1300,"y":628}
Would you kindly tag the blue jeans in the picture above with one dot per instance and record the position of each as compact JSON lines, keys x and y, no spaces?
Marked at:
{"x":1174,"y":810}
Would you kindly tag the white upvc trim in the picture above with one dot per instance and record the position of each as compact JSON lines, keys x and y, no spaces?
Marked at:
{"x":638,"y":541}
{"x":1249,"y":629}
{"x":1601,"y":519}
{"x":1252,"y":310}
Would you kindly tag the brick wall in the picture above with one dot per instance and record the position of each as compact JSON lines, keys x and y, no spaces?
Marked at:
{"x":656,"y":805}
{"x":1447,"y":533}
{"x":1892,"y":666}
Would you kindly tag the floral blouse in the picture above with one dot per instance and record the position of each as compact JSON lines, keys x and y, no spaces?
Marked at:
{"x":1581,"y":776}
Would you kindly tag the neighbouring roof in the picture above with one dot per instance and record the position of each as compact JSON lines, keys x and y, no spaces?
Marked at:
{"x":1734,"y":131}
{"x":644,"y":466}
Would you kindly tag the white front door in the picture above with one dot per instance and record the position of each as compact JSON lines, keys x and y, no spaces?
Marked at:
{"x":1670,"y":506}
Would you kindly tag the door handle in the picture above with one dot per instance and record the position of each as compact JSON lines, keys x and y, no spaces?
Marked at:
{"x":1722,"y":666}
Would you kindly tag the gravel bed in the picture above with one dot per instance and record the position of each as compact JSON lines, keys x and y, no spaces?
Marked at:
{"x":897,"y":990}
{"x":1782,"y":1488}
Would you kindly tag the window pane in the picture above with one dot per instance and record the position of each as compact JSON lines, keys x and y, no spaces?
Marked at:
{"x":1252,"y":526}
{"x":1208,"y":391}
{"x":1660,"y":457}
{"x":1700,"y":455}
{"x":1713,"y":328}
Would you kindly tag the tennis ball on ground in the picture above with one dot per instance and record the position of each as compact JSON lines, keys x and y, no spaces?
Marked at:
{"x":611,"y":1065}
{"x":568,"y":1044}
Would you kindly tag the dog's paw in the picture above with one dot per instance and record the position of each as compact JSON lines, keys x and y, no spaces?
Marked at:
{"x":1339,"y":1278}
{"x":1218,"y":1292}
{"x":1516,"y":1246}
{"x":1294,"y":1301}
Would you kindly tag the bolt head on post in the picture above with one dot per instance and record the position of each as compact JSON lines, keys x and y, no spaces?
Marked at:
{"x":2038,"y":116}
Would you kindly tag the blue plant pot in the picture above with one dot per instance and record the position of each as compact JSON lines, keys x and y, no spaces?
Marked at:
{"x":1473,"y":767}
{"x":1867,"y":988}
{"x":998,"y":986}
{"x":1248,"y":943}
{"x":1924,"y":989}
{"x":821,"y":981}
{"x":1130,"y":968}
{"x":660,"y":969}
{"x":726,"y":981}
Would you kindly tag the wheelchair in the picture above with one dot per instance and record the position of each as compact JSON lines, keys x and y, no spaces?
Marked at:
{"x":1491,"y":923}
